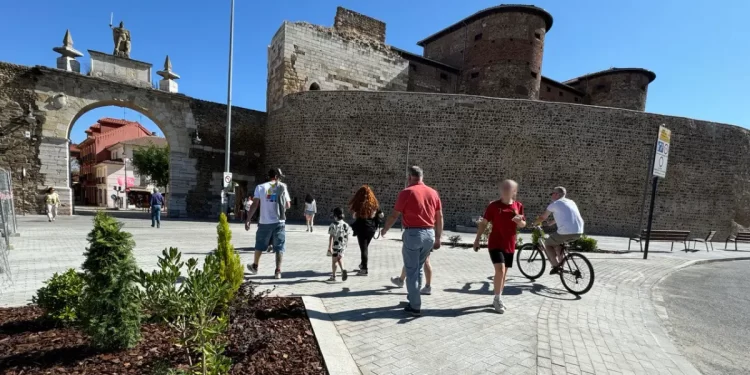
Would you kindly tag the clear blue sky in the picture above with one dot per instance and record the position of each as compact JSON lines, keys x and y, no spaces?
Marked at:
{"x":698,"y":49}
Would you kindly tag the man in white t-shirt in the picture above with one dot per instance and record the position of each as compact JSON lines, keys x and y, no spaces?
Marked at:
{"x":569,"y":225}
{"x":273,"y":199}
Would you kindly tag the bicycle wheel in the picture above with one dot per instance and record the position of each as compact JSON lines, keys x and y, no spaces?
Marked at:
{"x":577,"y":274}
{"x":531,"y":261}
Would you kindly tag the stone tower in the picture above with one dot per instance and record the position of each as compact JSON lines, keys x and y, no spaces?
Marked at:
{"x":499,"y":50}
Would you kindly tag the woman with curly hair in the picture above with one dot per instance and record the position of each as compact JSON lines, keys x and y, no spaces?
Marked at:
{"x":367,"y":217}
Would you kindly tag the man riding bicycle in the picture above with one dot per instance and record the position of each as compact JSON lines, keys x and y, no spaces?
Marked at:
{"x":569,"y":226}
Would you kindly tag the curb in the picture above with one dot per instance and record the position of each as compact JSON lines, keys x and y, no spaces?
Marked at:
{"x":336,"y":356}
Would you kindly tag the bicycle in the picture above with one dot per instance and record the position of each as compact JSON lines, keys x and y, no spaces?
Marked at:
{"x":576,"y":272}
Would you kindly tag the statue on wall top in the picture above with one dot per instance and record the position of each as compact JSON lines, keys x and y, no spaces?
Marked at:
{"x":121,"y":37}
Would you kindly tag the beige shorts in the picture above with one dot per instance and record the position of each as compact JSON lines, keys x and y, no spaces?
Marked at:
{"x":556,"y":239}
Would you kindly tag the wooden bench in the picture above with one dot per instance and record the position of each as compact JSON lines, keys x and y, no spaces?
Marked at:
{"x":662,"y":236}
{"x":739,"y":237}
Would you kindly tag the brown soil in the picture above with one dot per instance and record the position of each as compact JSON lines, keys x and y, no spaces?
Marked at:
{"x":272,"y":337}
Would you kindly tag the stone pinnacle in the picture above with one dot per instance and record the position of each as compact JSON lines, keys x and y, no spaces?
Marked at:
{"x":67,"y":49}
{"x":167,"y":73}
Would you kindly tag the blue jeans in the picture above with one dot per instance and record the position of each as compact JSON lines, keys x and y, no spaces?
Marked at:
{"x":156,"y":215}
{"x":266,"y":233}
{"x":416,"y":248}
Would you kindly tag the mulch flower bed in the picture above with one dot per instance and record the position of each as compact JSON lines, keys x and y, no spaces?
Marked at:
{"x":272,"y":337}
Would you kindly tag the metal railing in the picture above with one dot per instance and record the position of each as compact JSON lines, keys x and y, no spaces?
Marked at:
{"x":8,"y":223}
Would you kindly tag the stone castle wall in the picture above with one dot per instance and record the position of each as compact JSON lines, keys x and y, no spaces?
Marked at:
{"x":329,"y":143}
{"x":302,"y":54}
{"x":16,"y":151}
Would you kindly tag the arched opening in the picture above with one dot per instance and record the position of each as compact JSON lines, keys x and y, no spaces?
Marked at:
{"x":314,"y":87}
{"x":107,"y":141}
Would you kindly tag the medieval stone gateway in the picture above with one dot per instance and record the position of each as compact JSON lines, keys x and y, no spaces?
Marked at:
{"x":46,"y":102}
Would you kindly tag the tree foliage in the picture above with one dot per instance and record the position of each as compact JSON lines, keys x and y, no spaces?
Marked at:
{"x":231,"y":270}
{"x":110,"y":306}
{"x":153,"y":161}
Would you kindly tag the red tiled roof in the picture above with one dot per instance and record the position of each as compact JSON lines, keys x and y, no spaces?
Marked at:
{"x":115,"y":121}
{"x":74,"y":148}
{"x":144,"y":141}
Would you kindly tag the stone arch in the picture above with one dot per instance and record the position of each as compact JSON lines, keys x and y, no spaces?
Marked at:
{"x":315,"y":87}
{"x":121,"y":104}
{"x":171,"y":113}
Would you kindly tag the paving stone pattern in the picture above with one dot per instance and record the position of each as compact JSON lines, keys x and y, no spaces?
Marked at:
{"x":614,"y":329}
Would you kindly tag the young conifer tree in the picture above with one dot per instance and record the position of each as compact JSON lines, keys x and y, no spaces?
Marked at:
{"x":231,"y":266}
{"x":110,"y":307}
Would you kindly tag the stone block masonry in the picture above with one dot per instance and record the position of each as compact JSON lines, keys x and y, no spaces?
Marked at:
{"x":356,"y":24}
{"x":468,"y":144}
{"x":16,"y":151}
{"x":304,"y":56}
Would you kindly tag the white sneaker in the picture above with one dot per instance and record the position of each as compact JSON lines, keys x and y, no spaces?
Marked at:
{"x":498,"y":305}
{"x":397,"y":282}
{"x":426,"y":290}
{"x":277,"y":275}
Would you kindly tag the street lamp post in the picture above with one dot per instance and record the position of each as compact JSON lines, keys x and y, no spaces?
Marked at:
{"x":125,"y":161}
{"x":227,"y":149}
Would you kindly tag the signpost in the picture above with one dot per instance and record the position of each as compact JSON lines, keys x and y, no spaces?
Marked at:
{"x":659,"y":170}
{"x":227,"y":179}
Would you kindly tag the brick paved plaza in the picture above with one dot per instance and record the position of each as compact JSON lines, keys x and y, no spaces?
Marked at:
{"x":616,"y":328}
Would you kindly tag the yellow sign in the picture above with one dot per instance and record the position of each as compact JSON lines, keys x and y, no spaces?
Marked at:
{"x":665,"y":134}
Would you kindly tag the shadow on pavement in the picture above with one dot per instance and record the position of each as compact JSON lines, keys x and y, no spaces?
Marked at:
{"x":512,"y":289}
{"x":347,"y":292}
{"x":396,"y":312}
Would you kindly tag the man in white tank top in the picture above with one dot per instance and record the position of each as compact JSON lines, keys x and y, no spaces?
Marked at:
{"x":569,"y":225}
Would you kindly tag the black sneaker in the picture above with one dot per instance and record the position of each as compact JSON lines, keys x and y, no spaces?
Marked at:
{"x":362,"y":273}
{"x":555,"y":270}
{"x":412,"y":311}
{"x":252,"y":268}
{"x":344,"y":276}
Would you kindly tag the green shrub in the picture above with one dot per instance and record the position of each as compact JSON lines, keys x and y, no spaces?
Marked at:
{"x":536,"y":234}
{"x":60,"y":298}
{"x":230,"y":269}
{"x":110,"y":306}
{"x":200,"y":329}
{"x":194,"y":309}
{"x":584,"y":244}
{"x":454,"y":240}
{"x":161,"y":296}
{"x":485,"y":237}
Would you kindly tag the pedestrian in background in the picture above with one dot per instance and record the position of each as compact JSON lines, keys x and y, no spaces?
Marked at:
{"x":310,"y":210}
{"x":423,"y":226}
{"x":367,"y":216}
{"x":157,"y":202}
{"x":52,"y":201}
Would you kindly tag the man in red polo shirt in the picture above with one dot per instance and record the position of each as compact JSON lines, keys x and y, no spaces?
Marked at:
{"x":423,"y":226}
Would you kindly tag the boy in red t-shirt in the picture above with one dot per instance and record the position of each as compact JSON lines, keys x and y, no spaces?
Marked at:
{"x":506,"y":216}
